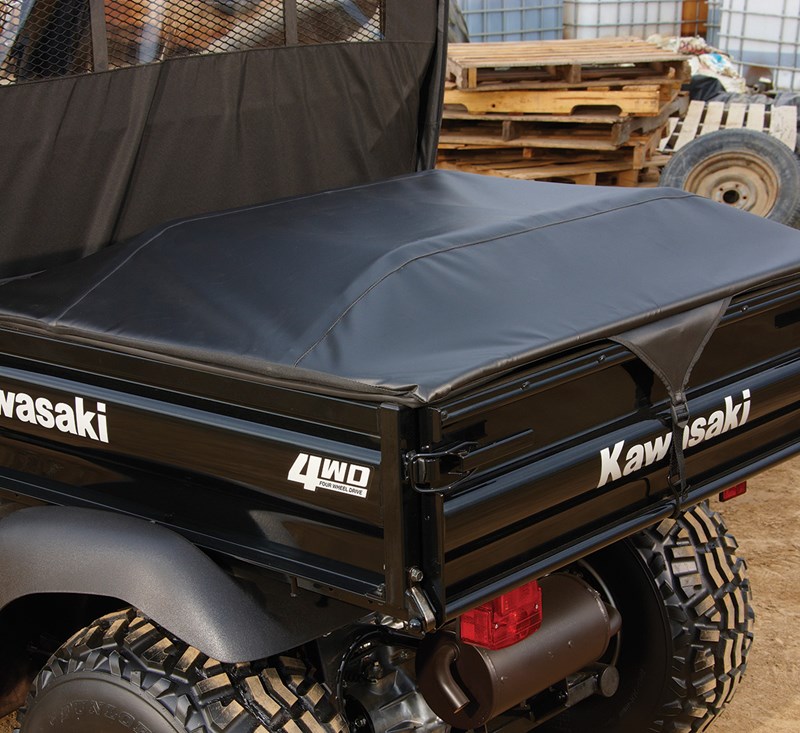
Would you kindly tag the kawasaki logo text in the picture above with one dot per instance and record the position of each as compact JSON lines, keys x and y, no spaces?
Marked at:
{"x":617,"y":462}
{"x":74,"y":417}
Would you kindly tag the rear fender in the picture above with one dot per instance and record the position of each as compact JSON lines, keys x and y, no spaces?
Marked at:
{"x":52,"y":549}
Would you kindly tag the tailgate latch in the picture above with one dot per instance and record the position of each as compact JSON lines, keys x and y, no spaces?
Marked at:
{"x":441,"y":470}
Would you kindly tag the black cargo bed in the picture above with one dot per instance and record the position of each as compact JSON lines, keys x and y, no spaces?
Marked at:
{"x":454,"y":367}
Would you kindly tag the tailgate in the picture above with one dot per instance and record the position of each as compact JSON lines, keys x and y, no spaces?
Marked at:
{"x":559,"y":459}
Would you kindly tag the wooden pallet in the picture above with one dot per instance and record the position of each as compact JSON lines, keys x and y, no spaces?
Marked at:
{"x":471,"y":65}
{"x":645,"y":147}
{"x":618,"y":167}
{"x":524,"y":133}
{"x":589,"y":172}
{"x":576,"y":132}
{"x":641,"y":147}
{"x":578,"y":169}
{"x":650,"y":175}
{"x":607,"y":82}
{"x":645,"y":100}
{"x":705,"y":117}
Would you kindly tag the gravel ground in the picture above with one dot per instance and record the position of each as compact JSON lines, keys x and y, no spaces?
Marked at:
{"x":766,"y":522}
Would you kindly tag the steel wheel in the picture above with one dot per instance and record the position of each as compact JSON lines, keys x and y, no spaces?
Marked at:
{"x":743,"y":180}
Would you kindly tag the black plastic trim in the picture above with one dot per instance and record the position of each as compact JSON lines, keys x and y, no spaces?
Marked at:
{"x":73,"y":550}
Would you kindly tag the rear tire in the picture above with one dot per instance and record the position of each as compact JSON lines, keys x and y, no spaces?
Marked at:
{"x":686,"y":627}
{"x":124,"y":674}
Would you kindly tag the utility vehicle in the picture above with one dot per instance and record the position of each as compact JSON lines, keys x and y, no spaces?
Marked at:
{"x":299,"y":434}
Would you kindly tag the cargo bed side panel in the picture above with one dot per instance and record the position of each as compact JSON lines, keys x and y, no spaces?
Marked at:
{"x":573,"y":453}
{"x":306,"y":500}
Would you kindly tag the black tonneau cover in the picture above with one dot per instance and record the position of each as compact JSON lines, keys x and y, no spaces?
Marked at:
{"x":411,"y":288}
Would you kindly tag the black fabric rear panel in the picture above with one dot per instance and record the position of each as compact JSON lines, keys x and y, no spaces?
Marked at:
{"x":93,"y":159}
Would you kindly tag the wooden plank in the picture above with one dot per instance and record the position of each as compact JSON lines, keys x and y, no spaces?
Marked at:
{"x":562,"y":171}
{"x":529,"y":156}
{"x":613,"y":78}
{"x":560,"y":52}
{"x":736,"y":114}
{"x":658,"y":161}
{"x":783,"y":125}
{"x":578,"y":119}
{"x":628,"y":179}
{"x":677,"y":106}
{"x":472,"y":146}
{"x":672,"y":123}
{"x":713,"y":117}
{"x":566,"y":60}
{"x":533,"y":76}
{"x":694,"y":14}
{"x":611,"y":130}
{"x":644,"y":146}
{"x":755,"y":117}
{"x":690,"y":124}
{"x":570,"y":73}
{"x":457,"y":72}
{"x":644,"y":102}
{"x":462,"y":138}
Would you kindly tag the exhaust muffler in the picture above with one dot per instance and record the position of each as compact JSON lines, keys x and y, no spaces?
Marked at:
{"x":467,"y":685}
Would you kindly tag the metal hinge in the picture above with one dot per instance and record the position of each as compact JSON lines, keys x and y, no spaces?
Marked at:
{"x":423,"y":617}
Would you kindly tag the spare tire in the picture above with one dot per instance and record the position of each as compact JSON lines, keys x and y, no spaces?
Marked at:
{"x":746,"y":169}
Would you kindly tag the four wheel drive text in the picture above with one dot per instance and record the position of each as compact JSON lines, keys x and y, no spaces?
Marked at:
{"x":315,"y":473}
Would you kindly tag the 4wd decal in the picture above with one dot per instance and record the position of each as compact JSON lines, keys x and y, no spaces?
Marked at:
{"x":617,"y":462}
{"x":74,"y":417}
{"x":314,"y":472}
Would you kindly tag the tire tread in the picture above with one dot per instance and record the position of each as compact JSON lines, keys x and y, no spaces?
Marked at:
{"x":199,"y":693}
{"x":712,"y":608}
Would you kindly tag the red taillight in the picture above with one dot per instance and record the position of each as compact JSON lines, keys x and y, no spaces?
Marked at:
{"x":733,"y":491}
{"x":506,"y":620}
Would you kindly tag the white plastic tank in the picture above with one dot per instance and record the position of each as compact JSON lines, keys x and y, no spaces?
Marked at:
{"x":764,"y":33}
{"x":513,"y":20}
{"x":601,"y":18}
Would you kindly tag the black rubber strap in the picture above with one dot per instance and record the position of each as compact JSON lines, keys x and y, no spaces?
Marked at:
{"x":677,"y":462}
{"x":290,"y":22}
{"x":97,"y":14}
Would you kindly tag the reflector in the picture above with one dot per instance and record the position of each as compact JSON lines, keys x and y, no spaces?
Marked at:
{"x":505,"y":620}
{"x":733,"y":491}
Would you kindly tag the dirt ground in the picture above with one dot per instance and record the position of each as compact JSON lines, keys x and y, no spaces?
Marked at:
{"x":766,"y":522}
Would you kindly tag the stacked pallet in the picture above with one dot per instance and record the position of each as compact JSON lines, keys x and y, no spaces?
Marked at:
{"x":703,"y":118}
{"x":589,"y":111}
